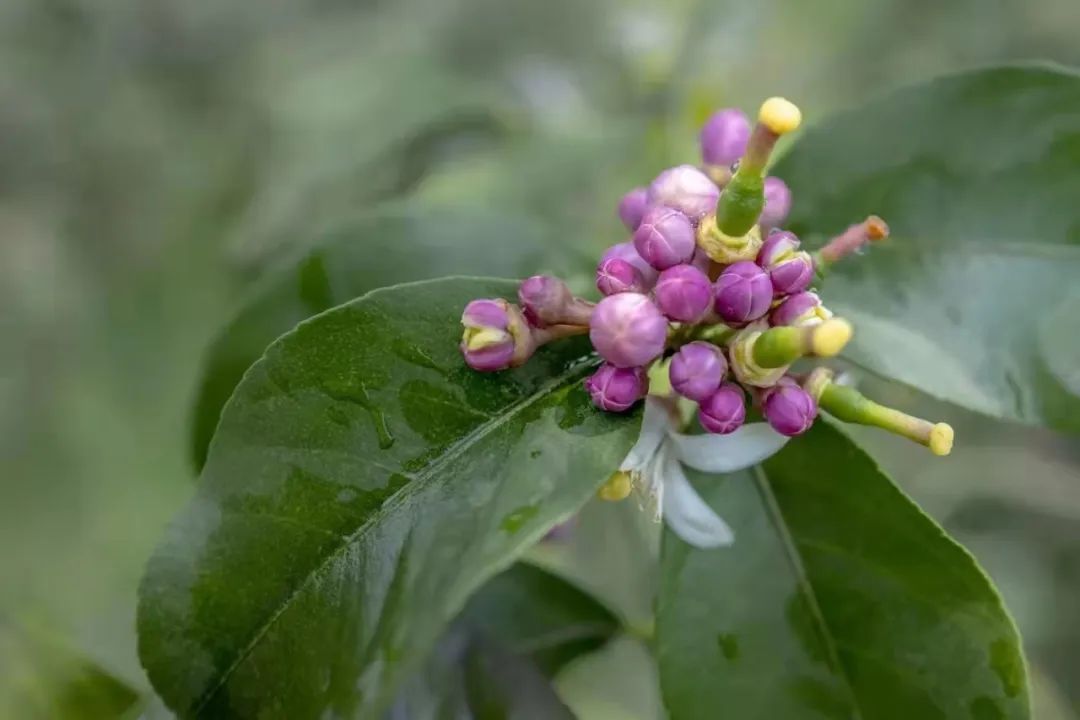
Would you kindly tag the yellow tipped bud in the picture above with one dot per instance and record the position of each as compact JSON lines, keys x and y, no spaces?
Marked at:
{"x":481,"y":338}
{"x":616,"y":488}
{"x":831,"y":336}
{"x":941,"y":439}
{"x":779,"y":115}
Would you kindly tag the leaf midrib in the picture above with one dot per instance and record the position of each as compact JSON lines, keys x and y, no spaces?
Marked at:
{"x":772,"y":507}
{"x":392,"y":502}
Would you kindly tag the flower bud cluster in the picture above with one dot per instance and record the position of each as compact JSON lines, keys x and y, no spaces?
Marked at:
{"x":709,"y":283}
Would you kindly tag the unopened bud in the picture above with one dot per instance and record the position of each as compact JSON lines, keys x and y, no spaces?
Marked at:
{"x":496,"y":335}
{"x":724,"y":411}
{"x":683,"y":293}
{"x":743,"y":293}
{"x":632,"y":207}
{"x":849,"y":405}
{"x":777,"y":204}
{"x":697,"y":370}
{"x":788,"y":408}
{"x":628,"y":330}
{"x":686,"y":189}
{"x":618,"y":276}
{"x":626,"y":252}
{"x":664,"y":238}
{"x":546,"y":300}
{"x":791,"y":270}
{"x":803,"y":308}
{"x":617,"y":389}
{"x":724,"y":137}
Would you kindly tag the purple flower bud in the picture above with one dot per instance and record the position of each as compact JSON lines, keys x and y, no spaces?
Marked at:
{"x":628,"y":330}
{"x":686,"y":189}
{"x":665,"y":237}
{"x":743,"y":293}
{"x":697,"y":370}
{"x":777,"y":203}
{"x":724,"y":137}
{"x":487,"y":343}
{"x":683,"y":293}
{"x":625,"y":251}
{"x":632,"y":207}
{"x":544,"y":299}
{"x":724,"y":411}
{"x":803,"y":308}
{"x":616,"y":389}
{"x":618,"y":276}
{"x":788,"y":408}
{"x":790,"y":269}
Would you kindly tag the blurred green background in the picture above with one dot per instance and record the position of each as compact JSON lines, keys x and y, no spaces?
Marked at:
{"x":158,"y":156}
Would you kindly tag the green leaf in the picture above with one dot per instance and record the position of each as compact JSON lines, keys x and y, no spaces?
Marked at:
{"x":839,"y":599}
{"x":391,"y":246}
{"x":41,"y":679}
{"x":363,"y":482}
{"x":536,"y":613}
{"x":977,"y":176}
{"x":523,"y":625}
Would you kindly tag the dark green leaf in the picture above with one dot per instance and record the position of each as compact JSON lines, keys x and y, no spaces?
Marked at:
{"x":362,"y":483}
{"x":977,"y":176}
{"x":533,"y":612}
{"x":392,"y":246}
{"x":524,"y":624}
{"x":839,"y":599}
{"x":42,"y":680}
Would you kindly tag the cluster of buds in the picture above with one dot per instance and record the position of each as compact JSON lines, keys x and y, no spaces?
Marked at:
{"x":711,"y":288}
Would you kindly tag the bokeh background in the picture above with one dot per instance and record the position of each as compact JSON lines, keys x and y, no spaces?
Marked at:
{"x":157,"y":157}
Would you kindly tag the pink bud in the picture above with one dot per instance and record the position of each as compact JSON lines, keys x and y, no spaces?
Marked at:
{"x":664,"y":238}
{"x":628,"y":330}
{"x":788,"y":408}
{"x":743,"y":293}
{"x":683,"y":293}
{"x":618,"y":276}
{"x":777,"y":204}
{"x":616,"y":389}
{"x":724,"y":411}
{"x":632,"y":207}
{"x":697,"y":370}
{"x":686,"y":189}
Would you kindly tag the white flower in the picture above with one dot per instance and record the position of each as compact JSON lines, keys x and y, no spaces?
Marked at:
{"x":655,"y":466}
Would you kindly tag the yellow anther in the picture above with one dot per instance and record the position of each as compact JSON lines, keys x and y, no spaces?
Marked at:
{"x":941,"y":439}
{"x":617,"y":487}
{"x":830,"y":337}
{"x":779,"y":115}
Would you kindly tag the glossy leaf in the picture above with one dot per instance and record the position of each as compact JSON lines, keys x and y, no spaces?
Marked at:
{"x":42,"y":680}
{"x":361,"y":485}
{"x":391,"y":246}
{"x":977,"y":176}
{"x":839,"y":599}
{"x":495,"y":661}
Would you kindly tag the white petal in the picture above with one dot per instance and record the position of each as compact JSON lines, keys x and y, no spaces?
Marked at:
{"x":688,"y":515}
{"x":650,"y":484}
{"x":743,"y":448}
{"x":654,"y":427}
